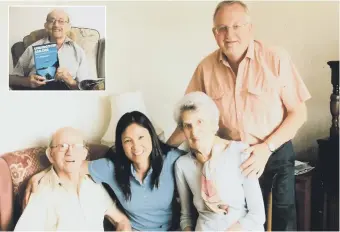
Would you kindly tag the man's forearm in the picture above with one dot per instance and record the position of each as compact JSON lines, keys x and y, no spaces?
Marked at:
{"x":18,"y":80}
{"x":71,"y":83}
{"x":116,"y":216}
{"x":177,"y":138}
{"x":289,"y":127}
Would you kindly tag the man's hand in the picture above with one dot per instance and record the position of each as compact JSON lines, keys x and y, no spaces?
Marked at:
{"x":255,"y":164}
{"x":63,"y":75}
{"x":235,"y":227}
{"x":123,"y":225}
{"x":32,"y":186}
{"x":35,"y":81}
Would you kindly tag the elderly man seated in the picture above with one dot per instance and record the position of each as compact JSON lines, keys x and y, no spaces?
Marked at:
{"x":65,"y":199}
{"x":72,"y":60}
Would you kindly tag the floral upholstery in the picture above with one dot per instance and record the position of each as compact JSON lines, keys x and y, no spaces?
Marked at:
{"x":23,"y":164}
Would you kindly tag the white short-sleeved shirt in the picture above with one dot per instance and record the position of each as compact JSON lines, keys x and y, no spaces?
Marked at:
{"x":54,"y":207}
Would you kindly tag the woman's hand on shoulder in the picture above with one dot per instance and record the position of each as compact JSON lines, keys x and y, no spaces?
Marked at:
{"x":32,"y":186}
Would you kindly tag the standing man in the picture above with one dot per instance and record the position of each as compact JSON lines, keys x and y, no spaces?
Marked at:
{"x":261,"y":97}
{"x":73,"y":64}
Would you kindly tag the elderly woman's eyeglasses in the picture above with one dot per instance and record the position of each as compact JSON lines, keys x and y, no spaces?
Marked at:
{"x":222,"y":30}
{"x":53,"y":20}
{"x":65,"y":146}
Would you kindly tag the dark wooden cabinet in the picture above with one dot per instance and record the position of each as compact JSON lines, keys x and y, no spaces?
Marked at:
{"x":326,"y":185}
{"x":328,"y":191}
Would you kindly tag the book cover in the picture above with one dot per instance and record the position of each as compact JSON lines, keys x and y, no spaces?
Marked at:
{"x":46,"y":60}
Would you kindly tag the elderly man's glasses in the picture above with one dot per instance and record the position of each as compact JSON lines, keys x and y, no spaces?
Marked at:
{"x":222,"y":30}
{"x":60,"y":21}
{"x":65,"y":146}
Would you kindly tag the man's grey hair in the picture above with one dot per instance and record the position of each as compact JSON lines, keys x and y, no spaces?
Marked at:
{"x":196,"y":101}
{"x":228,"y":3}
{"x":67,"y":15}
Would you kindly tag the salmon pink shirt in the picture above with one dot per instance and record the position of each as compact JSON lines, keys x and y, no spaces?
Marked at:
{"x":254,"y":103}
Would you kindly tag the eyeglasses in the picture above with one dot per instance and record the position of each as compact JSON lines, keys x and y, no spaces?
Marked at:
{"x":60,"y":21}
{"x":65,"y":146}
{"x":222,"y":30}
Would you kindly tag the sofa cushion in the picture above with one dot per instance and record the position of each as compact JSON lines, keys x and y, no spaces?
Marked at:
{"x":17,"y":49}
{"x":88,"y":39}
{"x":23,"y":164}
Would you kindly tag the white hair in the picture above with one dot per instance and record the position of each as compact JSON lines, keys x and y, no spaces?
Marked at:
{"x":228,"y":3}
{"x":52,"y":136}
{"x":196,"y":101}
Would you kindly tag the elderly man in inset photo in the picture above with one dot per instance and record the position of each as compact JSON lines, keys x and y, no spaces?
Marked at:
{"x":72,"y":60}
{"x":66,"y":199}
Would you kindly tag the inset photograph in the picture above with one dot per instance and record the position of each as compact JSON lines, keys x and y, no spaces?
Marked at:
{"x":57,"y":47}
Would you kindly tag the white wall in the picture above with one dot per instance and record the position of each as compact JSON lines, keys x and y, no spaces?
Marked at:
{"x":164,"y":42}
{"x":155,"y":47}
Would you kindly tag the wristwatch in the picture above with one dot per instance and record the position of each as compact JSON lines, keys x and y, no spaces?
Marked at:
{"x":271,"y":147}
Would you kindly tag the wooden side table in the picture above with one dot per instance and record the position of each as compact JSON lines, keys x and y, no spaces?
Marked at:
{"x":303,"y":191}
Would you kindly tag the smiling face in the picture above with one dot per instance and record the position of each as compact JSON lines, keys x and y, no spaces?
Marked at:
{"x":67,"y":151}
{"x":57,"y":24}
{"x":137,"y":143}
{"x":232,"y":29}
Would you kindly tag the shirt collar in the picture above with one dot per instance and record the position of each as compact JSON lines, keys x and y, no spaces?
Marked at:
{"x":250,"y":52}
{"x":67,"y":40}
{"x":134,"y":172}
{"x":57,"y":182}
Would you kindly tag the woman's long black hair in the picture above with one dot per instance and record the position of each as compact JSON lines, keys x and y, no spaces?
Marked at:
{"x":123,"y":164}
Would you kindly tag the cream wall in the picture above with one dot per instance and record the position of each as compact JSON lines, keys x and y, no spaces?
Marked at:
{"x":155,"y":46}
{"x":164,"y":42}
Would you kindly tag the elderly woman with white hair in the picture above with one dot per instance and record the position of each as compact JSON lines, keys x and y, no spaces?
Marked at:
{"x":224,"y":198}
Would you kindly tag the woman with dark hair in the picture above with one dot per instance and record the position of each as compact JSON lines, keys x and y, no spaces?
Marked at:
{"x":140,"y":172}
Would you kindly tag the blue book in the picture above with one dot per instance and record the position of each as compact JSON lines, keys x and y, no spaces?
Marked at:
{"x":46,"y":60}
